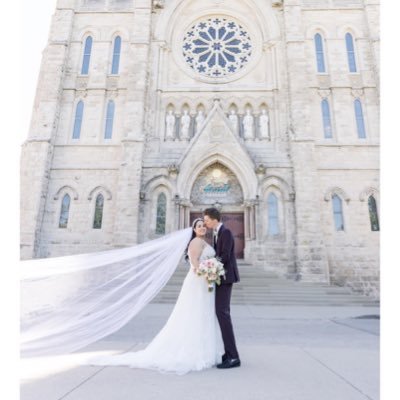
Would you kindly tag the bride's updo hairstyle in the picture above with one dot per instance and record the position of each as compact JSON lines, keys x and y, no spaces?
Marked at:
{"x":193,"y":236}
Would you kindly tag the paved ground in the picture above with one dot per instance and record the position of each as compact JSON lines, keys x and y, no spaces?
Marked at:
{"x":288,"y":353}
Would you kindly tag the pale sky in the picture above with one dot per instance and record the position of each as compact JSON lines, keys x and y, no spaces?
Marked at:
{"x":36,"y":19}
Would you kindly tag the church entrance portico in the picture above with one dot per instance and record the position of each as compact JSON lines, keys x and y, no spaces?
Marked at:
{"x":217,"y":186}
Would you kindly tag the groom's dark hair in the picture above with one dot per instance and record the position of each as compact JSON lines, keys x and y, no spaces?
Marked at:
{"x":213,"y":213}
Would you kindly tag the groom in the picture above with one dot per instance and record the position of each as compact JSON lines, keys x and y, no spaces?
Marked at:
{"x":225,"y":250}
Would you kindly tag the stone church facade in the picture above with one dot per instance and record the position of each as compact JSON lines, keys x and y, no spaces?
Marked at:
{"x":147,"y":112}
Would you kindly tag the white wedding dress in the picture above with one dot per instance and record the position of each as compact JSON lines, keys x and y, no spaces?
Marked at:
{"x":190,"y":340}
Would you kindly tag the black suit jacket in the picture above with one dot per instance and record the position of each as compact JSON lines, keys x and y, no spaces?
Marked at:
{"x":225,"y":251}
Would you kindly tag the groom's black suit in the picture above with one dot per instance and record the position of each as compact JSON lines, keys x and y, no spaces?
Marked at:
{"x":225,"y":250}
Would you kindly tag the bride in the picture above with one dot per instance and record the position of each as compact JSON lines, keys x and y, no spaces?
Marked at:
{"x":191,"y":339}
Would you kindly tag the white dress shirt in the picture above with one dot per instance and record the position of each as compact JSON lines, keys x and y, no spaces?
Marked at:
{"x":216,"y":230}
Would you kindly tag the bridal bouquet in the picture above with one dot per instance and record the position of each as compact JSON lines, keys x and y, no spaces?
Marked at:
{"x":212,"y":269}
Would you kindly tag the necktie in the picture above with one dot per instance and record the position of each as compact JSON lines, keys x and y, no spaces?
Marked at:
{"x":215,"y":239}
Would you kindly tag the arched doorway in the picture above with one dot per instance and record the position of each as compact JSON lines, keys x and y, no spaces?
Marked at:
{"x":217,"y":186}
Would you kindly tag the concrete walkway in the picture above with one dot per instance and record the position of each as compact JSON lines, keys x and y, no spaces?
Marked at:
{"x":287,"y":353}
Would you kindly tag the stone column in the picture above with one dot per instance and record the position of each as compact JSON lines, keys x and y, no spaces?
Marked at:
{"x":130,"y":172}
{"x":311,"y":257}
{"x":37,"y":150}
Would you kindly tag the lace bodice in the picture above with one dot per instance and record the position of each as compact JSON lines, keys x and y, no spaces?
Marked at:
{"x":207,"y":252}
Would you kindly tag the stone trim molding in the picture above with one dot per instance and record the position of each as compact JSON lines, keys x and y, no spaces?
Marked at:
{"x":370,"y":191}
{"x":156,"y":182}
{"x":66,"y":188}
{"x":100,"y":189}
{"x":336,"y":190}
{"x":278,"y":183}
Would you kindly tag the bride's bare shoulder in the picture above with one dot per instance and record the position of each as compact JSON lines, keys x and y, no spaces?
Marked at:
{"x":198,"y":242}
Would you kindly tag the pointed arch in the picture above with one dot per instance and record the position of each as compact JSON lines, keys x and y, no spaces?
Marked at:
{"x":66,"y":188}
{"x":370,"y":191}
{"x":246,"y":176}
{"x":338,"y":191}
{"x":280,"y":184}
{"x":102,"y":189}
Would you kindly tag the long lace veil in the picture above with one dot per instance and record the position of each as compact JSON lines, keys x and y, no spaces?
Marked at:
{"x":70,"y":302}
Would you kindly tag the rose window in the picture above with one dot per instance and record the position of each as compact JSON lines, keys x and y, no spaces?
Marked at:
{"x":217,"y":47}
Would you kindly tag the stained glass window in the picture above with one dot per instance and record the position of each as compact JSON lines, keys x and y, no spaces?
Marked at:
{"x":86,"y":55}
{"x":98,"y":212}
{"x":338,"y":212}
{"x":217,"y":47}
{"x":78,"y":120}
{"x":109,"y":120}
{"x":359,"y":119}
{"x":161,"y":214}
{"x":373,"y":213}
{"x":273,"y":219}
{"x":350,"y":53}
{"x":319,"y":51}
{"x":116,"y":55}
{"x":66,"y":201}
{"x":326,"y":117}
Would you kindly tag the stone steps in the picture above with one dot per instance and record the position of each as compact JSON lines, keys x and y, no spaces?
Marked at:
{"x":261,"y":287}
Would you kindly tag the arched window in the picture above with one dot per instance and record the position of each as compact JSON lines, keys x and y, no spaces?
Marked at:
{"x":326,"y":118}
{"x":116,"y":55}
{"x":273,"y":217}
{"x":98,"y":212}
{"x":109,"y":120}
{"x":351,"y":57}
{"x":373,"y":213}
{"x":359,"y":119}
{"x":161,"y":214}
{"x":86,"y":55}
{"x":66,"y":201}
{"x":338,"y":212}
{"x":78,"y":120}
{"x":319,"y":52}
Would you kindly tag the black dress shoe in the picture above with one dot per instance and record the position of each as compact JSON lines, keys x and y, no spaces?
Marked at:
{"x":229,"y":363}
{"x":224,"y":357}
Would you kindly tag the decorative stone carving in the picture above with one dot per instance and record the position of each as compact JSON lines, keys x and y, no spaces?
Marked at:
{"x":173,"y":170}
{"x":264,"y":125}
{"x":260,"y":170}
{"x":158,"y":4}
{"x":234,"y":120}
{"x":217,"y":47}
{"x":277,"y":3}
{"x":324,"y":93}
{"x":200,"y":121}
{"x":248,"y":125}
{"x":185,"y":125}
{"x":170,"y":121}
{"x":357,"y":93}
